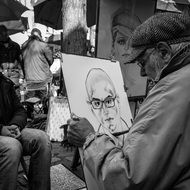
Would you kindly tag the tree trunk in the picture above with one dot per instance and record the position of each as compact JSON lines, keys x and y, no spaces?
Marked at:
{"x":74,"y":27}
{"x":74,"y":33}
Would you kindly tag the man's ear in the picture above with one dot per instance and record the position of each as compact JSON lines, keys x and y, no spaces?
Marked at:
{"x":164,"y":51}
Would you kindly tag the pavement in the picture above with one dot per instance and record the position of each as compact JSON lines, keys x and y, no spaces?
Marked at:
{"x":65,"y":156}
{"x":63,"y":175}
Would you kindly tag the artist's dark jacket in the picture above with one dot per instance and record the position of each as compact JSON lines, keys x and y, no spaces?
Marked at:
{"x":11,"y":110}
{"x":156,"y":151}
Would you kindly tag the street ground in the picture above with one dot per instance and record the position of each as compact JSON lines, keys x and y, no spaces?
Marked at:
{"x":63,"y":176}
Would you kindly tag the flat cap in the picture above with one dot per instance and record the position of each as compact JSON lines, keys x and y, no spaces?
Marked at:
{"x":168,"y":27}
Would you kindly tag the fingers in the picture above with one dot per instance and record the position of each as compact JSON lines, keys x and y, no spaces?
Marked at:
{"x":74,"y":120}
{"x":78,"y":129}
{"x":14,"y":131}
{"x":18,"y":136}
{"x":74,"y":117}
{"x":10,"y":131}
{"x":14,"y":134}
{"x":12,"y":127}
{"x":69,"y":121}
{"x":75,"y":141}
{"x":72,"y":126}
{"x":72,"y":132}
{"x":11,"y":135}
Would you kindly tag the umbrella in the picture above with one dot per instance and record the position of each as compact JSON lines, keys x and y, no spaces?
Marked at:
{"x":49,"y":13}
{"x":15,"y":26}
{"x":10,"y":16}
{"x":11,"y":10}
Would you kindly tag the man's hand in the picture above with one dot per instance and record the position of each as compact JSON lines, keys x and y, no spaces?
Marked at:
{"x":78,"y":130}
{"x":6,"y":132}
{"x":11,"y":131}
{"x":16,"y":131}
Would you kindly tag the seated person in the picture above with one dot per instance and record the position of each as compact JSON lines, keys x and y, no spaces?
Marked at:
{"x":15,"y":141}
{"x":10,"y":57}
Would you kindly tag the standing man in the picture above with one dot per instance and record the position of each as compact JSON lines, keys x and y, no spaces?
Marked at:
{"x":37,"y":58}
{"x":10,"y":57}
{"x":156,"y":151}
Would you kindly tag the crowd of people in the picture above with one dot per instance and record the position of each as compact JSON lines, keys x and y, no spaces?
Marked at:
{"x":156,"y":151}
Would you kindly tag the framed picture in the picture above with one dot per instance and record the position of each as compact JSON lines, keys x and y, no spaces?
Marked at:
{"x":116,"y":21}
{"x":95,"y":91}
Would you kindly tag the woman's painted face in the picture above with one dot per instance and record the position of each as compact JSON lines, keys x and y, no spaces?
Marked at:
{"x":105,"y":106}
{"x":120,"y":47}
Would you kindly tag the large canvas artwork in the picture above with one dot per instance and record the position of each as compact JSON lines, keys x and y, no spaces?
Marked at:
{"x":116,"y":22}
{"x":95,"y":91}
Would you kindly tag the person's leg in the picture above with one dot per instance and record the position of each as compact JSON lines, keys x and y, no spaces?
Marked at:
{"x":36,"y":143}
{"x":10,"y":154}
{"x":29,"y":106}
{"x":42,"y":94}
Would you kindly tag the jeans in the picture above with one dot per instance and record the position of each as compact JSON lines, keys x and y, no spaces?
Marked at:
{"x":33,"y":142}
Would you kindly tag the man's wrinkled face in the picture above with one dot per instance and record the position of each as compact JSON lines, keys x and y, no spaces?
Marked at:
{"x":104,"y":105}
{"x":148,"y":63}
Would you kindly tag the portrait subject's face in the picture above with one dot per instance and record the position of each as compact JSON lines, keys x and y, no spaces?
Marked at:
{"x":105,"y":105}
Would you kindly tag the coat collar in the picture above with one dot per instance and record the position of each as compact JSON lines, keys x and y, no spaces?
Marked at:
{"x":179,"y":60}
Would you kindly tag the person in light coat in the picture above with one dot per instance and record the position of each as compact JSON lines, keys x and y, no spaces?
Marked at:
{"x":156,"y":151}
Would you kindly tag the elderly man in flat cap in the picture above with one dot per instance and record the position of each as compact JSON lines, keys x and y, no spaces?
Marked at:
{"x":156,"y":152}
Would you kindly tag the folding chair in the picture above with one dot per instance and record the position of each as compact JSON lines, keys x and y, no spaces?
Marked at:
{"x":35,"y":105}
